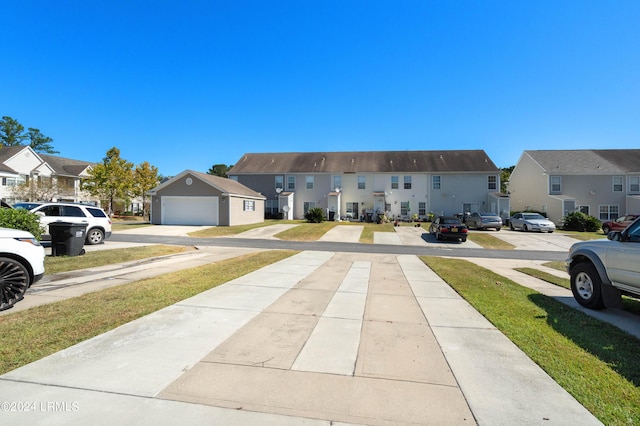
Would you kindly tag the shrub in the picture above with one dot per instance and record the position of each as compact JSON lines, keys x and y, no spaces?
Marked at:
{"x":21,"y":219}
{"x":578,"y":221}
{"x":315,"y":215}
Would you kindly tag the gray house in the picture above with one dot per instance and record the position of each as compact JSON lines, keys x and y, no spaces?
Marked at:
{"x":356,"y":185}
{"x":194,"y":198}
{"x":601,"y":183}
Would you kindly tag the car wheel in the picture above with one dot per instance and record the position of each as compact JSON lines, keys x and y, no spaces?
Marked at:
{"x":511,"y":227}
{"x":497,"y":229}
{"x":525,"y":228}
{"x":14,"y":282}
{"x":606,"y":229}
{"x":94,"y":236}
{"x":463,"y":240}
{"x":586,"y":286}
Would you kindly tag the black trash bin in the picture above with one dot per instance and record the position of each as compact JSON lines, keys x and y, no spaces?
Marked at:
{"x":67,"y":239}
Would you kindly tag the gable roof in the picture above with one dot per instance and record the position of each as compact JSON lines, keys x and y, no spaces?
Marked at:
{"x":224,"y":185}
{"x":65,"y":166}
{"x":588,"y":161}
{"x":363,"y":162}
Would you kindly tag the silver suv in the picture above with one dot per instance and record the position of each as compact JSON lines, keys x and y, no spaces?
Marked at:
{"x":97,"y":221}
{"x":602,"y":270}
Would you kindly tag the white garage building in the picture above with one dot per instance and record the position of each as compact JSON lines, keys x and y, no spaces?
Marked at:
{"x":194,"y":198}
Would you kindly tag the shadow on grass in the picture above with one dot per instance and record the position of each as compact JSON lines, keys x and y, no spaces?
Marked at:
{"x":608,"y":343}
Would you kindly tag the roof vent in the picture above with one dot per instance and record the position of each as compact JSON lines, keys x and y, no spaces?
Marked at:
{"x":441,"y":157}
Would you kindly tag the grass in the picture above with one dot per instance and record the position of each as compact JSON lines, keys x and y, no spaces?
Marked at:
{"x":594,"y":361}
{"x":583,"y":236}
{"x":30,"y":335}
{"x":488,"y":241}
{"x":56,"y":264}
{"x":225,"y":231}
{"x":628,"y":304}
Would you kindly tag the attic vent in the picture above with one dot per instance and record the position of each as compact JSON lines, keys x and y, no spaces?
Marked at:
{"x":353,"y":161}
{"x":323,"y":158}
{"x":273,"y":160}
{"x":441,"y":157}
{"x":414,"y":161}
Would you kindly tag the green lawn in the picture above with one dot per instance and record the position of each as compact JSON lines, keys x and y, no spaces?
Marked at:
{"x":594,"y":361}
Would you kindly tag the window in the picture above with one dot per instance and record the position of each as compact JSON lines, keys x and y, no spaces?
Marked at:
{"x":404,"y":208}
{"x":279,"y":182}
{"x":556,"y":184}
{"x":422,"y":209}
{"x":361,"y":182}
{"x":492,"y":182}
{"x":234,"y":178}
{"x":394,"y":182}
{"x":609,"y":212}
{"x":308,"y":205}
{"x":435,"y":182}
{"x":9,"y":181}
{"x":617,"y":183}
{"x":337,"y":182}
{"x":249,"y":205}
{"x":291,"y":183}
{"x":271,"y":207}
{"x":309,"y":182}
{"x":407,"y":182}
{"x":634,"y":183}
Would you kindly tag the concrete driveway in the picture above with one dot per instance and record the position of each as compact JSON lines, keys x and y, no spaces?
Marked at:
{"x":555,"y":241}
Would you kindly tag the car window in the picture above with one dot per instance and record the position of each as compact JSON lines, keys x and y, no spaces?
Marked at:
{"x":451,"y":221}
{"x":96,"y":212}
{"x":533,"y":216}
{"x":633,"y":233}
{"x":73,"y":211}
{"x":50,"y":210}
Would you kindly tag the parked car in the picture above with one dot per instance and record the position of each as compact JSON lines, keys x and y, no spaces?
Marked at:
{"x":448,"y":228}
{"x":97,"y":221}
{"x":483,"y":220}
{"x":21,"y":265}
{"x":531,"y":222}
{"x":619,"y":224}
{"x":606,"y":268}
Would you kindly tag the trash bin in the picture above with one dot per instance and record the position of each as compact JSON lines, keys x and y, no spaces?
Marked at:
{"x":67,"y":239}
{"x":332,"y":216}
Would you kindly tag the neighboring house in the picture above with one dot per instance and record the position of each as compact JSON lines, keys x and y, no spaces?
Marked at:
{"x":194,"y":198}
{"x":50,"y":178}
{"x":601,"y":183}
{"x":362,"y":185}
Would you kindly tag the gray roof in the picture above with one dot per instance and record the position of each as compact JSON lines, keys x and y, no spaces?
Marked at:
{"x":366,"y":162}
{"x":225,"y":185}
{"x":65,"y":166}
{"x":588,"y":161}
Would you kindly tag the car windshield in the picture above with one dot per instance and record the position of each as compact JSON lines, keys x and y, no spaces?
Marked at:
{"x":533,"y":216}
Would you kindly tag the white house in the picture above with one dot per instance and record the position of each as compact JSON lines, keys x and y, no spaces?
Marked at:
{"x":362,"y":185}
{"x":601,"y":183}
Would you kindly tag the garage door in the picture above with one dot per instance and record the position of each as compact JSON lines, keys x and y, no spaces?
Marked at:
{"x":189,"y":211}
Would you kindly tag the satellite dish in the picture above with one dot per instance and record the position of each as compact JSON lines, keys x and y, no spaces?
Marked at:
{"x":278,"y":190}
{"x":285,"y":209}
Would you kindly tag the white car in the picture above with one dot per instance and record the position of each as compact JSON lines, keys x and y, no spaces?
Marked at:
{"x":21,"y":265}
{"x":97,"y":221}
{"x":531,"y":222}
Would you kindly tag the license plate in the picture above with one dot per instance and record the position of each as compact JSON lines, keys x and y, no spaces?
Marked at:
{"x":454,"y":229}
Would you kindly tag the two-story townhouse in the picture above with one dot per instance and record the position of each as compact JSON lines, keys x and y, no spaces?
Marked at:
{"x":362,"y":185}
{"x":600,"y":183}
{"x":47,"y":177}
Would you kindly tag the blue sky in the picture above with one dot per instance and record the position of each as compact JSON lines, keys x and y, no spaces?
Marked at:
{"x":189,"y":84}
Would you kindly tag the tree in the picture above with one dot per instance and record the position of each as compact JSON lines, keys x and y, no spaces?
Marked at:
{"x":39,"y":142}
{"x":505,"y":174}
{"x":111,"y":179}
{"x":145,"y":177}
{"x":11,"y":132}
{"x":219,"y":170}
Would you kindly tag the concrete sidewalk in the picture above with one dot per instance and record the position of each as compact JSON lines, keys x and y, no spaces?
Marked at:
{"x":317,"y":338}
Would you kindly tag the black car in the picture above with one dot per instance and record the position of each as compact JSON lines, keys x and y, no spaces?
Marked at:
{"x":449,"y":228}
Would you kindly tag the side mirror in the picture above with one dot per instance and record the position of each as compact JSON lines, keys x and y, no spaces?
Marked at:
{"x":614,"y":236}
